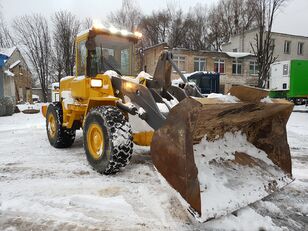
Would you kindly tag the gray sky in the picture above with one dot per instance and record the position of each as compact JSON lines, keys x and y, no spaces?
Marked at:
{"x":291,"y":19}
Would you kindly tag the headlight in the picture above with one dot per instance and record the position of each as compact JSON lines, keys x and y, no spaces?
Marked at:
{"x":138,"y":34}
{"x":96,"y":83}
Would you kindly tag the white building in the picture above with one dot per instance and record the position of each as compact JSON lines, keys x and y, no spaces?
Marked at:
{"x":286,"y":46}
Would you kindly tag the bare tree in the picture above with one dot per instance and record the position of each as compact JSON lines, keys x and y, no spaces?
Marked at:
{"x":179,"y":28}
{"x":217,"y":35}
{"x":6,"y":39}
{"x":155,"y":27}
{"x":197,"y":35}
{"x":33,"y":32}
{"x":265,"y":11}
{"x":87,"y":23}
{"x":229,"y":17}
{"x":66,"y":28}
{"x":128,"y":17}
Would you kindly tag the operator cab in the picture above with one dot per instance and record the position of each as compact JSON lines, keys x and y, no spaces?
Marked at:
{"x":100,"y":50}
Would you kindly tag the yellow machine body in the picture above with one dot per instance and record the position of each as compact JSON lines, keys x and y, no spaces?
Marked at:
{"x":179,"y":139}
{"x":84,"y":95}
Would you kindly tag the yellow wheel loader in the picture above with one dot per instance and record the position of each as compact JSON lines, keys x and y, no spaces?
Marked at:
{"x":219,"y":154}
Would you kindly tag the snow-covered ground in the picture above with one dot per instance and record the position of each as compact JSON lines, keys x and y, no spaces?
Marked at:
{"x":42,"y":188}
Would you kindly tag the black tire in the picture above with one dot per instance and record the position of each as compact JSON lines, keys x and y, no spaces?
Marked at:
{"x":117,"y":137}
{"x":6,"y":106}
{"x":2,"y":107}
{"x":62,"y":137}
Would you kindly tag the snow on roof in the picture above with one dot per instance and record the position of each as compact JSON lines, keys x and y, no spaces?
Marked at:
{"x":238,"y":54}
{"x":14,"y":64}
{"x":7,"y":51}
{"x":111,"y":30}
{"x":196,"y":72}
{"x":8,"y":73}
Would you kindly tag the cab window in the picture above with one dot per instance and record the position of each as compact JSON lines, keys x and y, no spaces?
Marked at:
{"x":82,"y":57}
{"x":110,"y":53}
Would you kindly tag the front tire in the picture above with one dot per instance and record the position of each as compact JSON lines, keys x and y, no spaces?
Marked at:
{"x":58,"y":136}
{"x":107,"y":139}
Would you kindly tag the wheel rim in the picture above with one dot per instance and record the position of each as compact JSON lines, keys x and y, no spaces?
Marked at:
{"x":52,"y":126}
{"x":95,"y":141}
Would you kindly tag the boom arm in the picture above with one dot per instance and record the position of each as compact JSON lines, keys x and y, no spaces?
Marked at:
{"x":156,"y":91}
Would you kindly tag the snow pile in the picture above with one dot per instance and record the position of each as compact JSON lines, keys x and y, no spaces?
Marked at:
{"x":28,"y":106}
{"x":111,"y":73}
{"x":131,"y":79}
{"x":142,"y":75}
{"x":79,"y":78}
{"x":300,"y":108}
{"x":266,"y":100}
{"x":67,"y":98}
{"x":177,"y":82}
{"x":171,"y":103}
{"x":162,"y":107}
{"x":224,"y":98}
{"x":145,"y":75}
{"x":226,"y":186}
{"x":43,"y":188}
{"x":245,"y":219}
{"x":66,"y":78}
{"x":141,"y":111}
{"x":231,"y":143}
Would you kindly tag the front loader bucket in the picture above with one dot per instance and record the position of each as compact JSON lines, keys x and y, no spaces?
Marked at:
{"x":223,"y":156}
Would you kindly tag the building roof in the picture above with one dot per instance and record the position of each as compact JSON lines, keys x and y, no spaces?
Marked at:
{"x":203,"y":52}
{"x":273,"y":33}
{"x":156,"y":45}
{"x":7,"y":51}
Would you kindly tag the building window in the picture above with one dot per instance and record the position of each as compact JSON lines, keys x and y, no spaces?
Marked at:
{"x":253,"y":68}
{"x":219,"y":66}
{"x":234,"y":50}
{"x":300,"y":48}
{"x":199,"y":64}
{"x":237,"y":67}
{"x":287,"y":45}
{"x":180,"y":62}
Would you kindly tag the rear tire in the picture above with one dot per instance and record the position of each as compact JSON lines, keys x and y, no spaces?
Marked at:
{"x":107,"y":139}
{"x":58,"y":136}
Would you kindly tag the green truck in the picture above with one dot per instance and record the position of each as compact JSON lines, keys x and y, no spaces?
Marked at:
{"x":289,"y":80}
